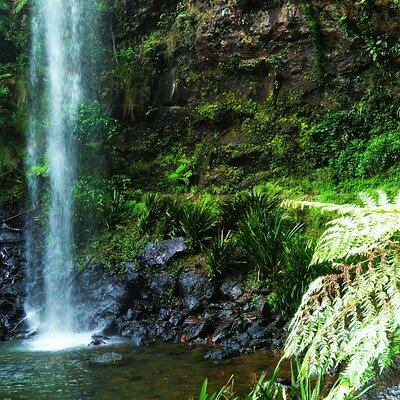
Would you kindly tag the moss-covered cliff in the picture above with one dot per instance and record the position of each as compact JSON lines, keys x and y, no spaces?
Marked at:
{"x":223,"y":95}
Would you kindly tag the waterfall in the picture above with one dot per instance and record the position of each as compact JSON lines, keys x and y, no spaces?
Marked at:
{"x":57,"y":87}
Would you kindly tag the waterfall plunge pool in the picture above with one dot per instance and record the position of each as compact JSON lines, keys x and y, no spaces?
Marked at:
{"x":156,"y":372}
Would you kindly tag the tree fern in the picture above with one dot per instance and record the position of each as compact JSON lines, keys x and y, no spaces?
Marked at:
{"x":358,"y":229}
{"x":349,"y":322}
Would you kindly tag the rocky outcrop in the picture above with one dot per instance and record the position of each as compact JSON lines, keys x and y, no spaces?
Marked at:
{"x":147,"y":304}
{"x":11,"y":283}
{"x":161,"y":253}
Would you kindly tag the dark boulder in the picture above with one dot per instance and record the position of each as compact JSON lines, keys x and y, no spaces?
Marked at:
{"x":101,"y":295}
{"x":222,"y":331}
{"x":97,"y":342}
{"x":231,"y":289}
{"x":392,"y":392}
{"x":161,"y":253}
{"x":195,"y":327}
{"x":10,"y":235}
{"x":196,"y":290}
{"x":161,"y":283}
{"x":11,"y":291}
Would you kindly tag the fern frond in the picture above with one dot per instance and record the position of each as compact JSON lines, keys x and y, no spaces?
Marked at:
{"x":357,"y":326}
{"x":359,"y":229}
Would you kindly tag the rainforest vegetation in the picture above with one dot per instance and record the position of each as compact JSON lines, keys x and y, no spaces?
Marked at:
{"x":267,"y":134}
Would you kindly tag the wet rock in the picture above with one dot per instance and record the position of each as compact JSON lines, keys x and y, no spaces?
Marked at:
{"x":10,"y":235}
{"x":232,"y":289}
{"x":162,"y":282}
{"x":133,"y":273}
{"x":11,"y":292}
{"x":195,"y":327}
{"x":107,"y":358}
{"x":221,"y":332}
{"x":221,"y":354}
{"x":258,"y":331}
{"x":243,"y":339}
{"x":100,"y":297}
{"x":161,"y":253}
{"x":389,"y":393}
{"x":97,"y":342}
{"x":196,"y":290}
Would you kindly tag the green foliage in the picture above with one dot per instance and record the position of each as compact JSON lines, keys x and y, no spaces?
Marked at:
{"x":152,"y":211}
{"x":294,"y":276}
{"x":302,"y":388}
{"x":101,"y":201}
{"x":232,"y":105}
{"x":198,"y":222}
{"x":223,"y":254}
{"x":19,"y":5}
{"x":95,"y":132}
{"x":340,"y":137}
{"x":382,"y":154}
{"x":183,"y":172}
{"x":264,"y":390}
{"x":261,"y":238}
{"x":39,"y":170}
{"x":235,"y":208}
{"x":349,"y":321}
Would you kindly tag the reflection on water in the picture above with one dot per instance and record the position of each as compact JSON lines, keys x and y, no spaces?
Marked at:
{"x":152,"y":373}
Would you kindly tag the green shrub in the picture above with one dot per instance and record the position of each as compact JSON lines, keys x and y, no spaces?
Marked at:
{"x":326,"y":140}
{"x":198,"y":222}
{"x":101,"y":201}
{"x":95,"y":133}
{"x":348,"y":164}
{"x":234,"y":209}
{"x":382,"y":153}
{"x":152,"y":210}
{"x":294,"y":276}
{"x":223,"y":254}
{"x":262,"y":237}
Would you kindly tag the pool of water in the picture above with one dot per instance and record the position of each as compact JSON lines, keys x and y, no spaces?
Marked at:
{"x":156,"y":372}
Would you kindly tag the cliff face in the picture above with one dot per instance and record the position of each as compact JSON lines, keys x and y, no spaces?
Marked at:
{"x":233,"y":87}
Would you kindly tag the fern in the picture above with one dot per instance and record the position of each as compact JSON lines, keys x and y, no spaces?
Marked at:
{"x":359,"y":229}
{"x":349,"y":322}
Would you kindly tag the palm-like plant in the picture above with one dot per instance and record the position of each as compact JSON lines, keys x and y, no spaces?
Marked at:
{"x":349,"y":322}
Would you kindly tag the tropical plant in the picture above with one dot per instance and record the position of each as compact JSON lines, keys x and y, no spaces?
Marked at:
{"x":264,"y":390}
{"x":198,"y":222}
{"x":302,"y":388}
{"x":348,"y":322}
{"x":237,"y":207}
{"x":262,"y":236}
{"x":223,"y":254}
{"x":295,"y":275}
{"x":154,"y":207}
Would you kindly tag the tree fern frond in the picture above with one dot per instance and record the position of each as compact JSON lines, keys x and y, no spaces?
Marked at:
{"x":356,"y":327}
{"x":359,"y":229}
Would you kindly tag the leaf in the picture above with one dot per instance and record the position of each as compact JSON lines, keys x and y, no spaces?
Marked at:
{"x":19,"y":5}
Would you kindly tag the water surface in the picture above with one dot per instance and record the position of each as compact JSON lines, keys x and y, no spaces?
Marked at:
{"x":151,"y":373}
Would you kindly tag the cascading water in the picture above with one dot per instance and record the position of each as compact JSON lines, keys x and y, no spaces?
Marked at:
{"x":57,"y":88}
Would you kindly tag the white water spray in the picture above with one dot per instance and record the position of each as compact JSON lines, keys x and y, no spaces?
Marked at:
{"x":56,"y":77}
